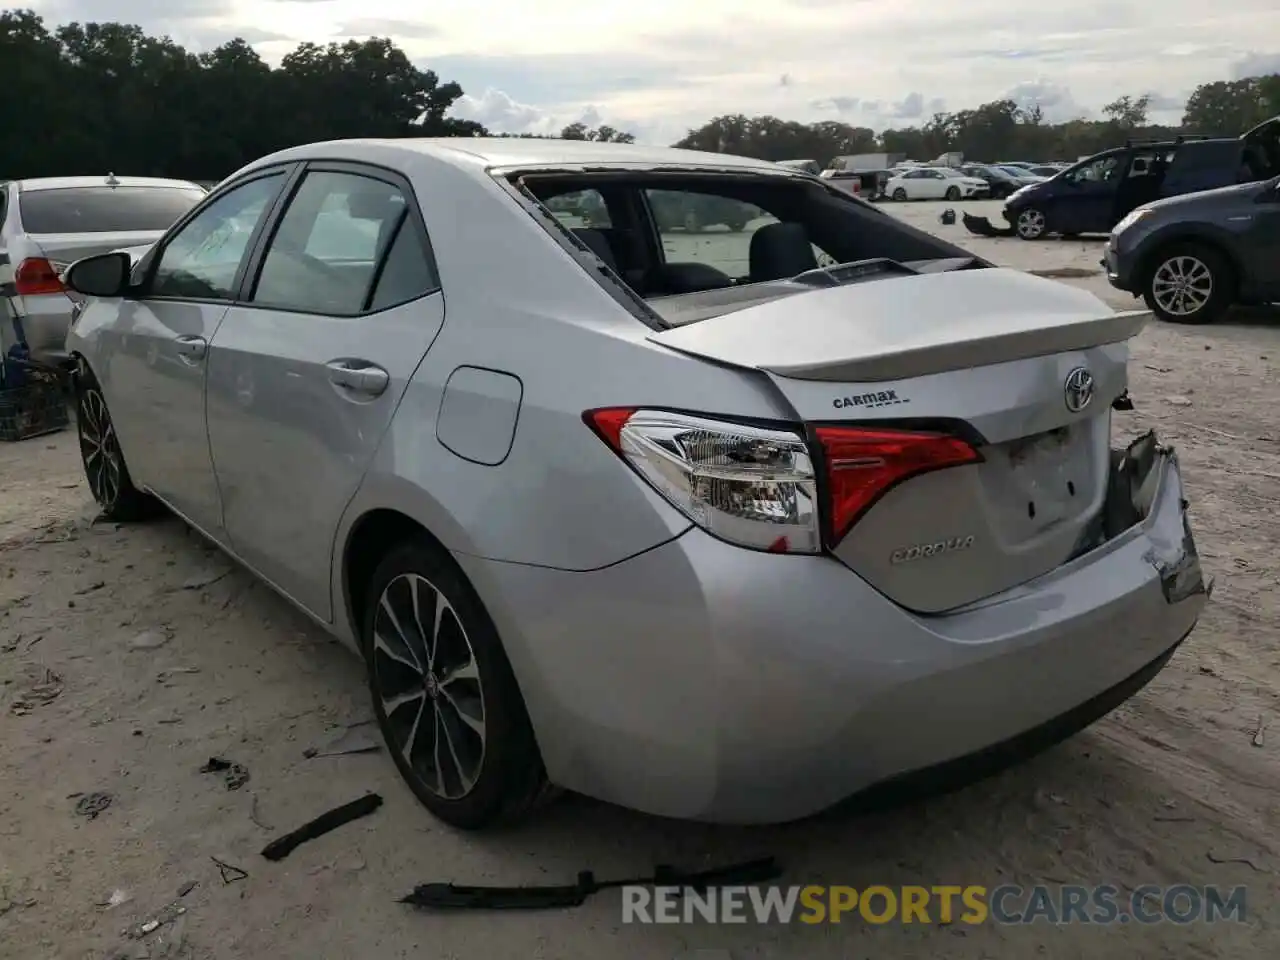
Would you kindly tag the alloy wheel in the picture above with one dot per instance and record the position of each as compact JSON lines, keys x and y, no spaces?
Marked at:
{"x":1031,"y":224}
{"x":99,"y":448}
{"x":1182,"y":285}
{"x":428,"y":683}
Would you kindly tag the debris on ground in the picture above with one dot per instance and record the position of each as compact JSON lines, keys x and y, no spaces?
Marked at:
{"x":229,"y":872}
{"x":947,"y":217}
{"x":186,"y":888}
{"x":359,"y":737}
{"x":164,"y":675}
{"x":117,"y":898}
{"x":237,"y":775}
{"x":983,"y":227}
{"x":281,"y":847}
{"x":167,"y":914}
{"x":90,"y":805}
{"x":205,"y":578}
{"x":1258,"y":731}
{"x":450,"y":896}
{"x":42,"y":688}
{"x":150,"y":640}
{"x":1178,"y":401}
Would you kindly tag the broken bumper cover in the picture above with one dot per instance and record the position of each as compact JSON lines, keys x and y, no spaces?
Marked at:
{"x":699,"y":680}
{"x":983,"y":227}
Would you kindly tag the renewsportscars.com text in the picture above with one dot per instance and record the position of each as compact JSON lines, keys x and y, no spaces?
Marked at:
{"x":973,"y":905}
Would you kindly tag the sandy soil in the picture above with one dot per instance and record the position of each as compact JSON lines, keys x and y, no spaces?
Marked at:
{"x":129,"y":657}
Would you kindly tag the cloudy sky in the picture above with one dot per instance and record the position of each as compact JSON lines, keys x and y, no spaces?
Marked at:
{"x":658,"y":67}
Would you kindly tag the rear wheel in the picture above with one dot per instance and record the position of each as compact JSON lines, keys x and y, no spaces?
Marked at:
{"x":1031,"y":224}
{"x":1190,"y":283}
{"x":444,"y":694}
{"x":953,"y":193}
{"x":103,"y":460}
{"x":900,"y":194}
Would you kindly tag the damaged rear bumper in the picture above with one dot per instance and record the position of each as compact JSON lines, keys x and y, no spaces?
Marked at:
{"x":702,"y":681}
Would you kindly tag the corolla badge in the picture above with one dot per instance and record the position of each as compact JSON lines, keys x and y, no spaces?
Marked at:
{"x":1078,"y":390}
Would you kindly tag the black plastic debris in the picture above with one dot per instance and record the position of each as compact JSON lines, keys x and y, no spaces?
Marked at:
{"x":281,"y":847}
{"x":983,"y":227}
{"x":452,"y":896}
{"x":1122,"y":402}
{"x":237,"y":775}
{"x":948,"y":217}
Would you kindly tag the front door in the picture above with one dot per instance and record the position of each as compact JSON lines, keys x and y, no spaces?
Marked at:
{"x":159,"y":347}
{"x":1261,"y":246}
{"x":304,"y":376}
{"x":1086,"y":198}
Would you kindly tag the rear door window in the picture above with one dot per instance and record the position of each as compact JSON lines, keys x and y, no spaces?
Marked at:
{"x":105,"y":209}
{"x":325,"y":254}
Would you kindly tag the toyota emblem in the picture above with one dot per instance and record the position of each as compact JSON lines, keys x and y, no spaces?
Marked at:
{"x":1078,"y":390}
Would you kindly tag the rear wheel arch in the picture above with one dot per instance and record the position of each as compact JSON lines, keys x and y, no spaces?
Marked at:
{"x":371,"y":538}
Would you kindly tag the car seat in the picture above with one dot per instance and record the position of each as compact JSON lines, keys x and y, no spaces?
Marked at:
{"x":597,"y":243}
{"x":780,"y":251}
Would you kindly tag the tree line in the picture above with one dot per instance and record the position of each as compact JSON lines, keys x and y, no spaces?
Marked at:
{"x":89,"y":97}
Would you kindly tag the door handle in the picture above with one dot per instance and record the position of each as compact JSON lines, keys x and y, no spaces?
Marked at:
{"x":358,"y":376}
{"x":191,"y":348}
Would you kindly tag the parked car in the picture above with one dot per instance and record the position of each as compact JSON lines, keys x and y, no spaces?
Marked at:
{"x":1096,"y":194}
{"x":855,"y":183}
{"x":1046,"y":170}
{"x":47,"y":223}
{"x":1001,"y":182}
{"x":936,"y":183}
{"x":1192,"y":257}
{"x":1023,"y":175}
{"x":732,"y":554}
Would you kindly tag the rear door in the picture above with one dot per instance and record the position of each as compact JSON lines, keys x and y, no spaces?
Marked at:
{"x":340,"y":305}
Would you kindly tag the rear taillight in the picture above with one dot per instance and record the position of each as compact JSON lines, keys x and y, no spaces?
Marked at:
{"x":35,"y":276}
{"x":758,"y":487}
{"x":863,"y":464}
{"x":750,"y":486}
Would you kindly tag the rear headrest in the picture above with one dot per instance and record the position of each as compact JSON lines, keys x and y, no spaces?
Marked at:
{"x":780,"y":251}
{"x":598,"y":244}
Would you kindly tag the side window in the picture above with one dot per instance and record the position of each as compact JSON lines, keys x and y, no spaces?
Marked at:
{"x":325,"y":251}
{"x":1099,"y":171}
{"x":580,"y":208}
{"x":408,"y":272}
{"x":201,"y":260}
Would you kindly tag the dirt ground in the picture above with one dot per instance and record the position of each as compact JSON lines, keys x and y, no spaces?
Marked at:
{"x":130,"y":656}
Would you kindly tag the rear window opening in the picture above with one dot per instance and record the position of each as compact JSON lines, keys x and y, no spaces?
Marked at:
{"x":696,"y":245}
{"x":64,"y":210}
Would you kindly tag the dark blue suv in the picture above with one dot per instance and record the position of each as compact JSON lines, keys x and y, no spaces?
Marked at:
{"x":1097,"y":193}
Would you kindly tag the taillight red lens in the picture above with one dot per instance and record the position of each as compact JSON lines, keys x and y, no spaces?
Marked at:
{"x":36,"y":276}
{"x":863,"y":464}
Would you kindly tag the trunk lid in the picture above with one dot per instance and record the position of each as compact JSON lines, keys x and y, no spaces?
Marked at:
{"x":995,"y":355}
{"x":64,"y":249}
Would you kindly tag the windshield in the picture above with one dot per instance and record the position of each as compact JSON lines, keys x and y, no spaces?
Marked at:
{"x":105,"y":209}
{"x":723,"y":237}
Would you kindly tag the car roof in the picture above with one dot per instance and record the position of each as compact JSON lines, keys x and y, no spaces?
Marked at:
{"x":529,"y":153}
{"x":109,"y":180}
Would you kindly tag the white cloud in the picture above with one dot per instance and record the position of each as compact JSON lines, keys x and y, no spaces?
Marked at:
{"x":669,"y":65}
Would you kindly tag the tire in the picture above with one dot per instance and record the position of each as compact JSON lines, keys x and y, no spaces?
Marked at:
{"x":953,"y":193}
{"x":1204,"y":276}
{"x":737,"y":226}
{"x":104,"y":467}
{"x":490,"y":771}
{"x":692,"y":223}
{"x":900,"y":194}
{"x":1031,"y":223}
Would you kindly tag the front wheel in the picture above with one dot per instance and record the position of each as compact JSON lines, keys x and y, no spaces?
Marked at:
{"x":953,"y":193}
{"x":103,"y":460}
{"x":900,"y":194}
{"x":1190,"y":284}
{"x":444,"y":693}
{"x":1031,"y":224}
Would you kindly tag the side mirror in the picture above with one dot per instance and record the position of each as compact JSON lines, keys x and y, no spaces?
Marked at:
{"x":106,"y":275}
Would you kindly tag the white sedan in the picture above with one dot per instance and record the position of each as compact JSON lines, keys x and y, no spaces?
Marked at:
{"x":936,"y":183}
